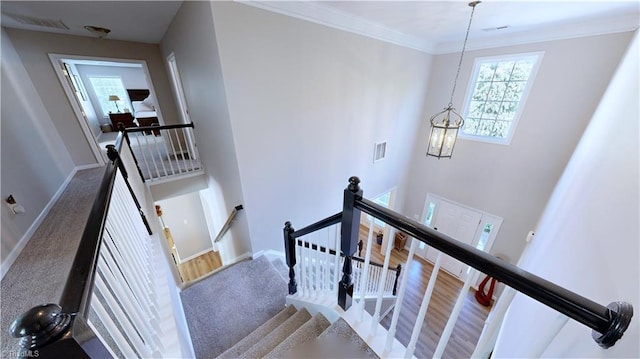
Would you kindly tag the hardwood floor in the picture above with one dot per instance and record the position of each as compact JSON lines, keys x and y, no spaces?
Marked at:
{"x":196,"y":267}
{"x":470,"y":322}
{"x":199,"y":266}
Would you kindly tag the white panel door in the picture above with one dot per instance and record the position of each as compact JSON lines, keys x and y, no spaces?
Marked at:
{"x":458,"y":222}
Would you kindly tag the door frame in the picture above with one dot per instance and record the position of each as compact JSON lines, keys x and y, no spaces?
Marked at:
{"x":486,"y":218}
{"x":58,"y":67}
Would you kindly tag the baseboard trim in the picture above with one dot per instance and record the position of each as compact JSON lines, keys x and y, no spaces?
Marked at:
{"x":86,"y":167}
{"x":15,"y":252}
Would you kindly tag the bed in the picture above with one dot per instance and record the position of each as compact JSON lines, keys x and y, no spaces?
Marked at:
{"x":144,"y":110}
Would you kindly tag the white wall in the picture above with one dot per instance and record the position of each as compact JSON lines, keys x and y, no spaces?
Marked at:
{"x":185,"y":218}
{"x":307,"y":104}
{"x":192,"y":38}
{"x":587,"y":240}
{"x":33,"y":48}
{"x":35,"y":163}
{"x":515,"y":181}
{"x":132,"y":78}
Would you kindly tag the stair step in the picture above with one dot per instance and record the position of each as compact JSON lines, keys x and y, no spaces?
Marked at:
{"x":258,"y":334}
{"x":306,"y":333}
{"x":341,"y":341}
{"x":269,"y":342}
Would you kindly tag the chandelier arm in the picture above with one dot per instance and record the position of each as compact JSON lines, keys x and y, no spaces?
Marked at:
{"x":464,"y":46}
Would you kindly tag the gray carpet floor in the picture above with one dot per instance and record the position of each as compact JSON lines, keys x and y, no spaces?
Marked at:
{"x":226,"y":307}
{"x":39,"y":273}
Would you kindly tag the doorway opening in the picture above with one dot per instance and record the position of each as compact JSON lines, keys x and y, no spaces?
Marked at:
{"x":466,"y":224}
{"x":102,"y":91}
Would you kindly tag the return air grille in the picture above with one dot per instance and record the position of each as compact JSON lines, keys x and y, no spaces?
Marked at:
{"x":30,"y":20}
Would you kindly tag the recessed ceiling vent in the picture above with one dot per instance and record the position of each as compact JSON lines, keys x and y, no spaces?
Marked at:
{"x":35,"y":21}
{"x":503,"y":27}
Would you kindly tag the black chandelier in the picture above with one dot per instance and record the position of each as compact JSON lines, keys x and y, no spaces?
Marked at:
{"x":445,"y":124}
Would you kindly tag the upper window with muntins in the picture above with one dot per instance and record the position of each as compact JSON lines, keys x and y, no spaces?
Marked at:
{"x":496,"y":96}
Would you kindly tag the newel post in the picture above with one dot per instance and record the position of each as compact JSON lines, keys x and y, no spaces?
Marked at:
{"x":290,"y":253}
{"x":349,"y":240}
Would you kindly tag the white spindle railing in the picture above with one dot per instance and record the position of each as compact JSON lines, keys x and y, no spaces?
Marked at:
{"x":164,"y":152}
{"x":124,"y":296}
{"x":318,"y":272}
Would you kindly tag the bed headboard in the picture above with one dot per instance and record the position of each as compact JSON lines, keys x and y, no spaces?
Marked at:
{"x":138,"y":94}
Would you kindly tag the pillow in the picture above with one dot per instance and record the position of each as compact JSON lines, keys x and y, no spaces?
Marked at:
{"x":142,"y":106}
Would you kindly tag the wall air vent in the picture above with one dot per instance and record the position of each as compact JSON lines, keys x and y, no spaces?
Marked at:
{"x":35,"y":21}
{"x":379,"y":151}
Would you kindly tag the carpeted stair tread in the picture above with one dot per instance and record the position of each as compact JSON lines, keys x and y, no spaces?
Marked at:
{"x":341,"y":341}
{"x":306,"y":333}
{"x":226,"y":307}
{"x":260,"y":332}
{"x":269,"y":342}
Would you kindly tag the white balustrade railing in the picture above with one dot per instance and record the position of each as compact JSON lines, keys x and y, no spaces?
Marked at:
{"x":124,"y":296}
{"x":319,"y":268}
{"x":164,"y":152}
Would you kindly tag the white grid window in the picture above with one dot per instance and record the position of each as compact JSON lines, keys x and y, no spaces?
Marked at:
{"x":496,"y":96}
{"x":105,"y":87}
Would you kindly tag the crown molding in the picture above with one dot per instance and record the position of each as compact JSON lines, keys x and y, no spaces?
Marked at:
{"x":317,"y":13}
{"x":514,"y":36}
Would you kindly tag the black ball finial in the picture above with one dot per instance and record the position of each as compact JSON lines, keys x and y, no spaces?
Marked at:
{"x":112,"y":153}
{"x":354,"y":182}
{"x":40,"y":325}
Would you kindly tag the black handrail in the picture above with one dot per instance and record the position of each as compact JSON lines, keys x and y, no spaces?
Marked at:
{"x":63,"y":328}
{"x":155,"y":128}
{"x":608,"y":323}
{"x":329,"y":221}
{"x":323,"y":249}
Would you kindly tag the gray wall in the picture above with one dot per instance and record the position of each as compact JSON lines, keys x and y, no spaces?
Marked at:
{"x":307,"y":104}
{"x":192,"y":38}
{"x":34,"y":47}
{"x":35,"y":163}
{"x":515,"y":181}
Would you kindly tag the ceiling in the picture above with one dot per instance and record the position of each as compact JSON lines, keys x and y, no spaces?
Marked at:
{"x":430,"y":26}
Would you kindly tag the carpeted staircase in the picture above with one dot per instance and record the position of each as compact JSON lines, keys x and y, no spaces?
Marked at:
{"x":228,"y":318}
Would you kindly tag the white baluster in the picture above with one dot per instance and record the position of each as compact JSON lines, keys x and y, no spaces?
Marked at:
{"x":364,"y":274}
{"x":316,"y":265}
{"x":385,"y":268}
{"x":186,"y":136}
{"x":487,"y":339}
{"x":298,"y":268}
{"x":121,"y":318}
{"x":448,"y":329}
{"x":336,"y":266}
{"x":112,"y":329}
{"x":156,"y":144}
{"x":186,"y":169}
{"x":403,"y":286}
{"x":144,"y":156}
{"x":423,"y":308}
{"x":326,"y":266}
{"x":153,"y":158}
{"x":173,"y":149}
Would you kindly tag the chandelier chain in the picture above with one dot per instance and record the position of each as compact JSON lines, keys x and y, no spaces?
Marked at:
{"x":464,"y":46}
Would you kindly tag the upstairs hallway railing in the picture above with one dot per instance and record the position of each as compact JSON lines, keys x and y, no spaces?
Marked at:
{"x":607,"y":322}
{"x":160,"y":152}
{"x":111,"y":304}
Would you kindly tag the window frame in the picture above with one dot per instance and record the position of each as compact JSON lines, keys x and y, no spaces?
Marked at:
{"x":125,"y":99}
{"x":478,"y":61}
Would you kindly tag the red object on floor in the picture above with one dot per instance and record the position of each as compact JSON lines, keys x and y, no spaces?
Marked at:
{"x":481,"y":297}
